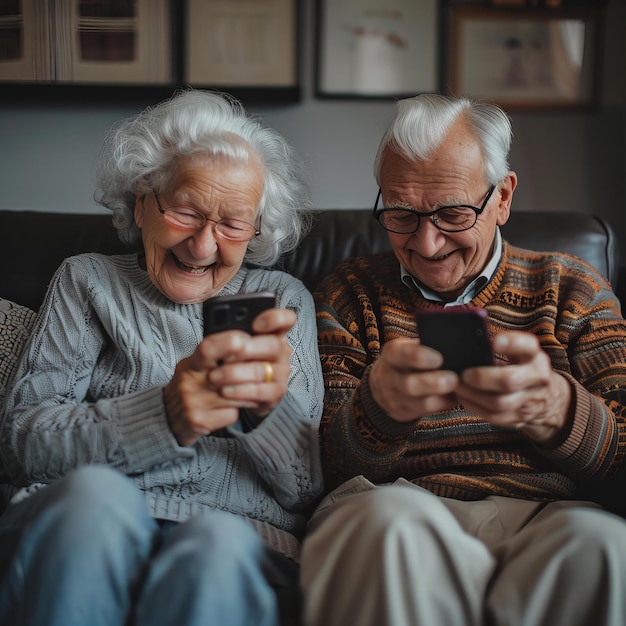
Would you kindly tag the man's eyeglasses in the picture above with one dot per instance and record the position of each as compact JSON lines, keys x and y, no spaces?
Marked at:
{"x":450,"y":219}
{"x":186,"y":218}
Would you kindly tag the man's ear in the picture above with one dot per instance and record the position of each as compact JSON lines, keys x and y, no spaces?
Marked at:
{"x":505,"y":197}
{"x":140,"y":209}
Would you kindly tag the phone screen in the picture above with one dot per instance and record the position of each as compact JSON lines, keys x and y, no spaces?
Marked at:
{"x":459,"y":333}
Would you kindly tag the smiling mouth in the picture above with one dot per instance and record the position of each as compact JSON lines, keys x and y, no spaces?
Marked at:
{"x":438,"y":258}
{"x":190,"y":269}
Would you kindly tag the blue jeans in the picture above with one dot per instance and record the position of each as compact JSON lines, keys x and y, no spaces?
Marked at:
{"x":85,"y":551}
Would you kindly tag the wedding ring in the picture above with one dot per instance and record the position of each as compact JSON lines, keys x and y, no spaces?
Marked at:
{"x":269,"y":372}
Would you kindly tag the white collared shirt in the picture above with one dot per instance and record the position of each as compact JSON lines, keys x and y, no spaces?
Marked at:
{"x":471,"y":290}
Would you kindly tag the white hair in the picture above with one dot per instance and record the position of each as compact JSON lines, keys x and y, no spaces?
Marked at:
{"x":141,"y":153}
{"x":420,"y":124}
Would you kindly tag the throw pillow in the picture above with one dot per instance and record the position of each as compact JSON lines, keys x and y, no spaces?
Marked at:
{"x":16,"y":322}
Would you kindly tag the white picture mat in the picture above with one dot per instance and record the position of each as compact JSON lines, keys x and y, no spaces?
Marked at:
{"x":378,"y":47}
{"x":241,"y":43}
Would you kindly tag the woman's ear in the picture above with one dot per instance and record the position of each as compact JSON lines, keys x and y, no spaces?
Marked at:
{"x":505,"y":197}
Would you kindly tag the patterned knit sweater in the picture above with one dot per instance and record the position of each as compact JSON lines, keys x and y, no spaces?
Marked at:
{"x":559,"y":298}
{"x":89,"y":390}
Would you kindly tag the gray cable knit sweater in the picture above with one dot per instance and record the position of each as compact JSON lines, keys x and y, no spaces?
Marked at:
{"x":88,"y":389}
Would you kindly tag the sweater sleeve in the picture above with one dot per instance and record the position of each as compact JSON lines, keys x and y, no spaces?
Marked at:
{"x":595,"y":335}
{"x":52,"y":422}
{"x":357,"y":436}
{"x":284,"y":445}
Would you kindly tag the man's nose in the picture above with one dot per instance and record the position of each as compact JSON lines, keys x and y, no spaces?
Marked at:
{"x":428,"y":238}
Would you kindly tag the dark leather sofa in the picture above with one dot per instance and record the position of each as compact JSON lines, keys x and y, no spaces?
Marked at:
{"x":33,"y":244}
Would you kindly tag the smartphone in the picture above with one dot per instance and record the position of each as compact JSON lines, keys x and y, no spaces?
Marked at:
{"x":236,"y":311}
{"x":459,"y":333}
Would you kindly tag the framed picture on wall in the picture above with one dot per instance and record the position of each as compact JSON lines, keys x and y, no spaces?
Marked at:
{"x":142,"y":50}
{"x":524,"y":58}
{"x":244,"y":44}
{"x":376,"y":48}
{"x":74,"y":41}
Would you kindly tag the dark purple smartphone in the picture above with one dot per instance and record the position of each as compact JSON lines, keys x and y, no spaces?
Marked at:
{"x":459,"y":333}
{"x":235,"y":312}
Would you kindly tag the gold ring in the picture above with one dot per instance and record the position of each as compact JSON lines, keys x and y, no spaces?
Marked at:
{"x":269,"y":372}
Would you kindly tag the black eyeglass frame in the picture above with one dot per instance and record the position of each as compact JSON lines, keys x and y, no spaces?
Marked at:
{"x":378,"y":213}
{"x":205,"y":219}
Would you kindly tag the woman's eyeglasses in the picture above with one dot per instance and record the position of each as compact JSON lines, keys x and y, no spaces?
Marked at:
{"x":189,"y":219}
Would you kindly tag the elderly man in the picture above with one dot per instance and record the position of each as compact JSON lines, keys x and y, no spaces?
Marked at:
{"x":456,"y":497}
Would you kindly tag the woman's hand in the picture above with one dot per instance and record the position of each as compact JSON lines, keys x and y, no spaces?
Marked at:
{"x":229,"y":371}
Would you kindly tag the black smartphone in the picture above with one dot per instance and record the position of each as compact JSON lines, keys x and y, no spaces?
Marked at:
{"x":236,"y":311}
{"x":459,"y":333}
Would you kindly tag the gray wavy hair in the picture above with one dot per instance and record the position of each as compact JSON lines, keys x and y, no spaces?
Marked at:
{"x":420,"y":124}
{"x":141,"y":153}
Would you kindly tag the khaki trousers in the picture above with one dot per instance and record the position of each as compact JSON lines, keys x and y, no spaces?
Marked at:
{"x":397,"y":555}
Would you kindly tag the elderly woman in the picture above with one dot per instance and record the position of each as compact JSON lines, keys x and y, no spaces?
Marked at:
{"x":178,"y":467}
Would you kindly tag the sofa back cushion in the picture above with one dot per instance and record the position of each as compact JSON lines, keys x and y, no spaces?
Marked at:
{"x":338,"y":234}
{"x":33,"y":244}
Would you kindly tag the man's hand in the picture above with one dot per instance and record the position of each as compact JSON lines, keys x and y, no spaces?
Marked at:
{"x":407,"y":383}
{"x":526,"y":394}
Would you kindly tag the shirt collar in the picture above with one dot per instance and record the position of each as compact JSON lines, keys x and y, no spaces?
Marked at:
{"x":471,"y":290}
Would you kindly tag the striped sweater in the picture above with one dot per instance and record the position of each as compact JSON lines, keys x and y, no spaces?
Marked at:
{"x":559,"y":298}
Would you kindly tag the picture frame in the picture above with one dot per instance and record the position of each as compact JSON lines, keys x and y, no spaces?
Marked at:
{"x":142,"y":51}
{"x":377,"y":48}
{"x":524,"y":58}
{"x":244,"y":45}
{"x":73,"y":42}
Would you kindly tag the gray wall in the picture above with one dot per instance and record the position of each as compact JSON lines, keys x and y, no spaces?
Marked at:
{"x":565,"y":161}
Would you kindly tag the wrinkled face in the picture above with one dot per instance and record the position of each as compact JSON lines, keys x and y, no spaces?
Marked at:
{"x":191,"y":266}
{"x":453,"y":174}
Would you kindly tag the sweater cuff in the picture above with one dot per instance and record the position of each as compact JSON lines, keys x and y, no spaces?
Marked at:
{"x":375,"y":414}
{"x":281,"y":436}
{"x":589,"y":434}
{"x":145,"y":435}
